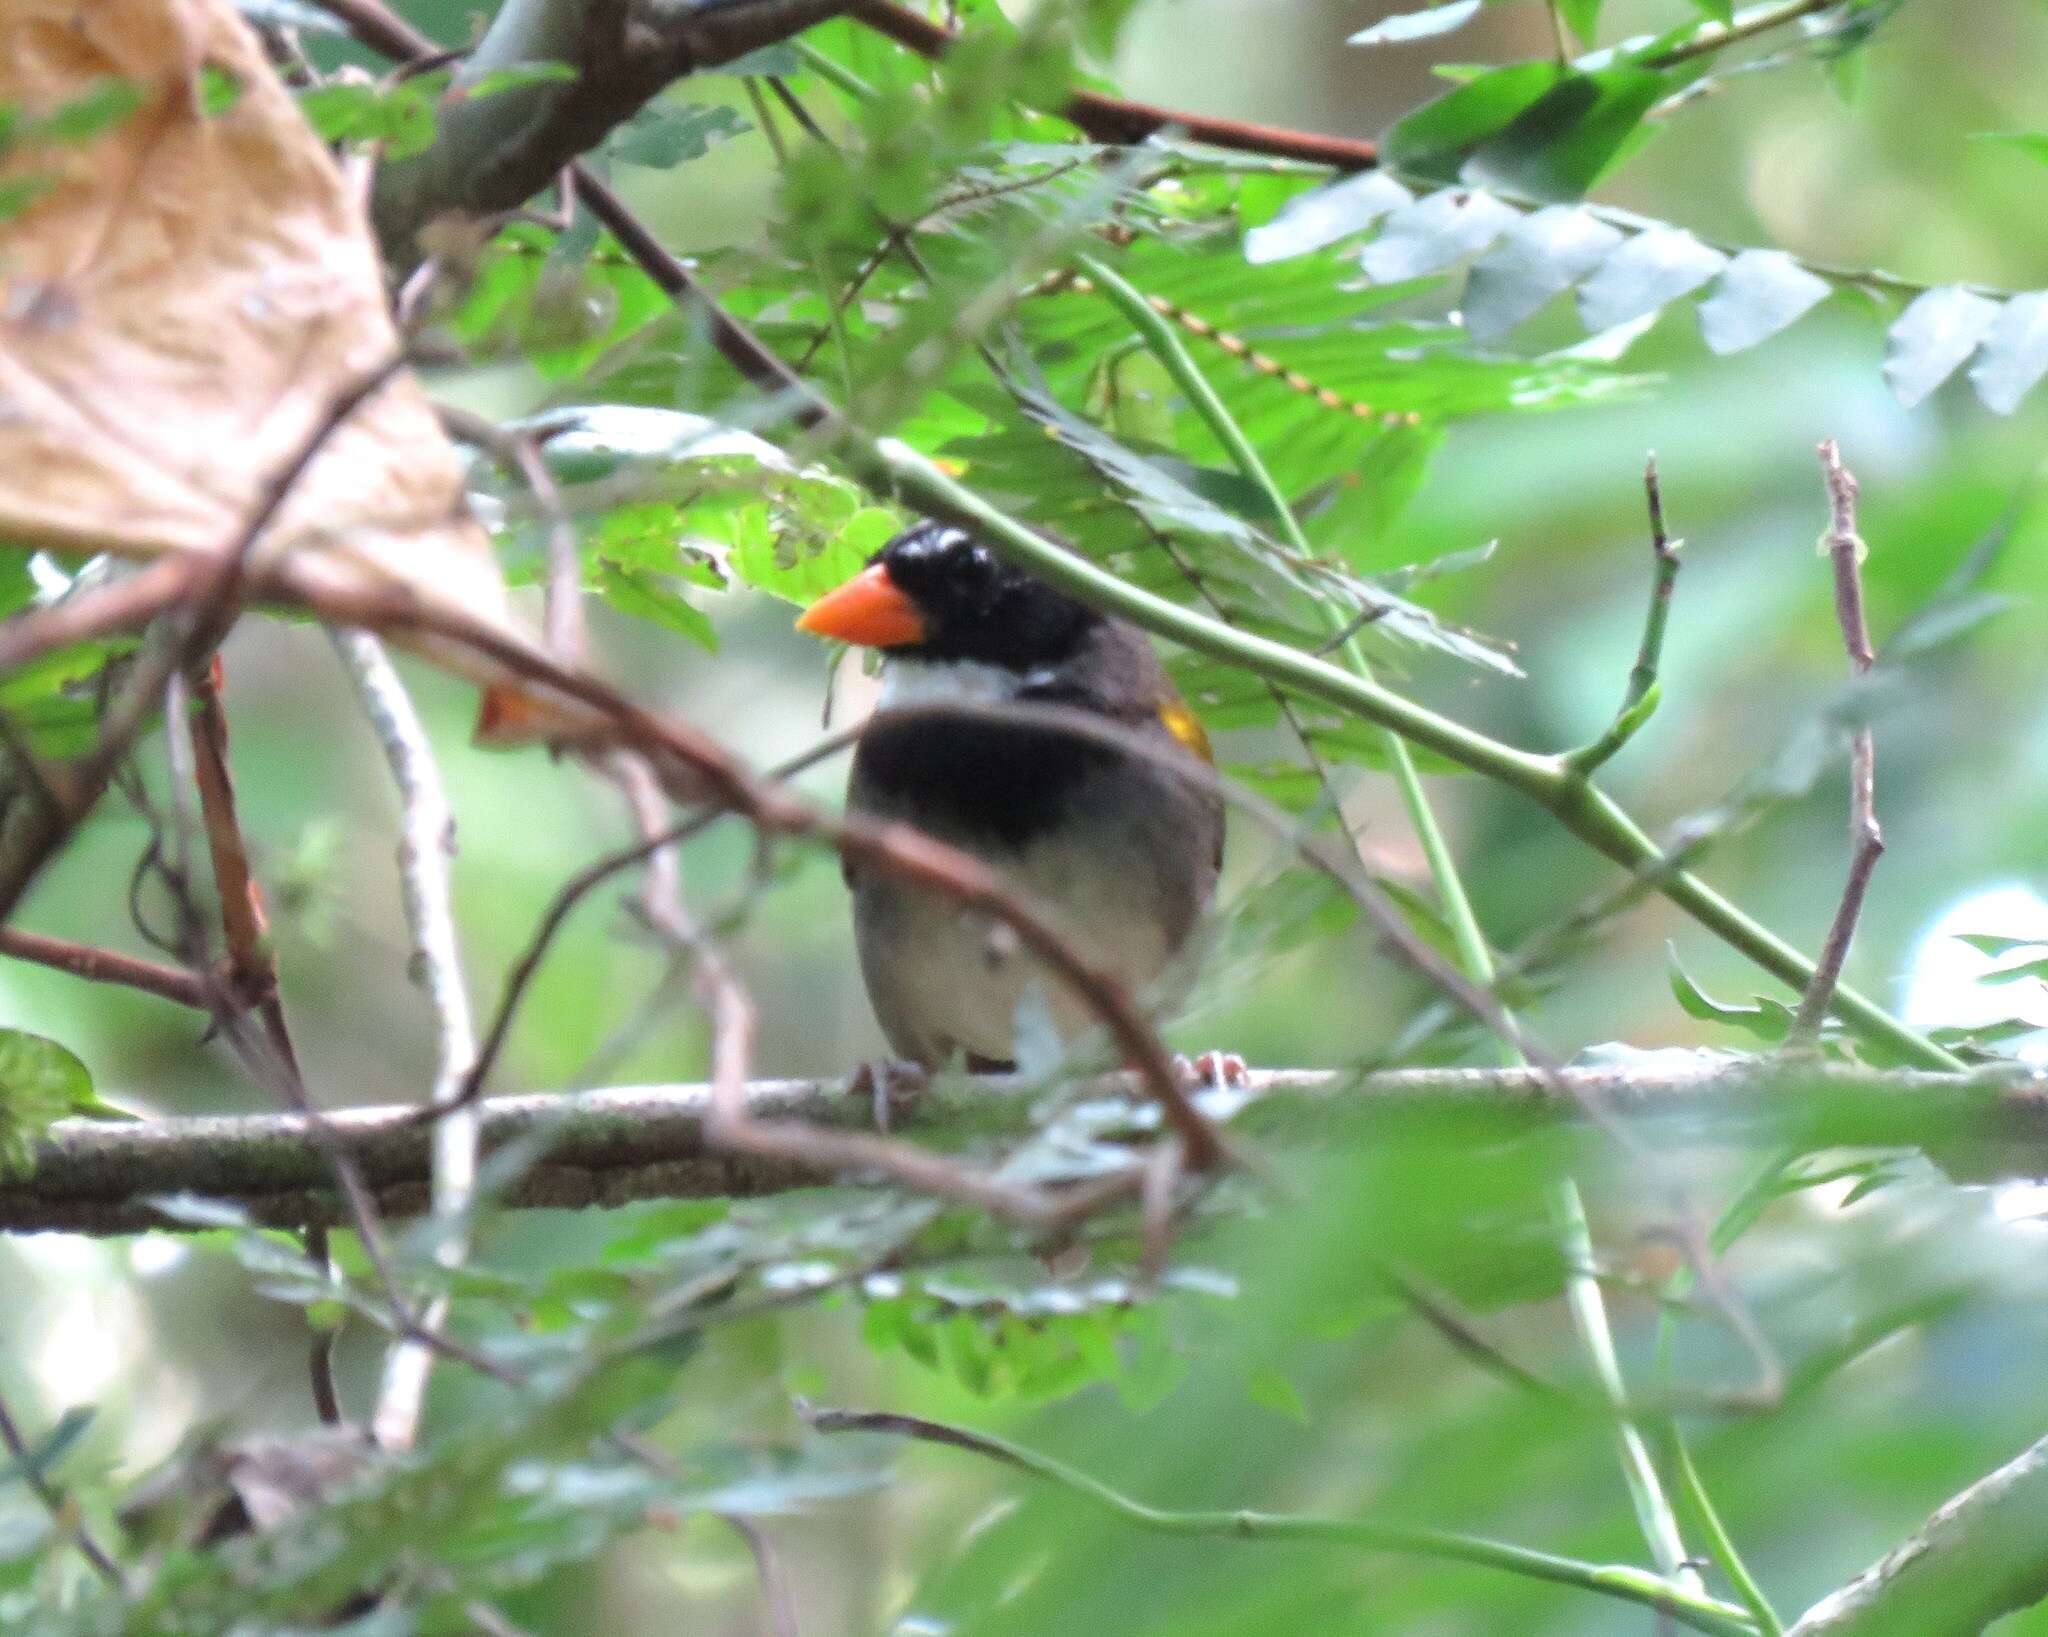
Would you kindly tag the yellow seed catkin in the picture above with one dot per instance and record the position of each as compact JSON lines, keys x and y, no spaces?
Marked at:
{"x":1243,"y":350}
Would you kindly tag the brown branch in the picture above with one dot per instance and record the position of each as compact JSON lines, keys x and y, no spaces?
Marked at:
{"x":1845,"y":551}
{"x":740,"y":347}
{"x":96,"y":965}
{"x":1120,"y":121}
{"x":609,"y":1147}
{"x":491,"y":154}
{"x":320,"y":1351}
{"x":778,"y":1606}
{"x":126,"y":605}
{"x":245,"y":927}
{"x":381,"y":29}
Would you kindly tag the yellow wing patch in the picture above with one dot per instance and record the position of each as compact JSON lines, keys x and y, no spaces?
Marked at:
{"x":1187,"y":727}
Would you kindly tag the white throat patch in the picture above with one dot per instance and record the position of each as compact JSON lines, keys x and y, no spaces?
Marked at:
{"x":907,"y":683}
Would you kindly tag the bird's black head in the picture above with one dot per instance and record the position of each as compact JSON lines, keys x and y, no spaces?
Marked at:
{"x":934,"y":592}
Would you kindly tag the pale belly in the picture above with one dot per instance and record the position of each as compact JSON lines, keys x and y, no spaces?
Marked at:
{"x":946,"y":980}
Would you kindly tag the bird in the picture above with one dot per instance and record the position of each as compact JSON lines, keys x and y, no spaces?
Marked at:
{"x":1121,"y":843}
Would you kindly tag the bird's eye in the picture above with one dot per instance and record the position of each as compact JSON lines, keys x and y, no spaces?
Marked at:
{"x":973,"y":572}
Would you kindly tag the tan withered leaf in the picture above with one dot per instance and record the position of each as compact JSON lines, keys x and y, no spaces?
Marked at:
{"x":184,"y":302}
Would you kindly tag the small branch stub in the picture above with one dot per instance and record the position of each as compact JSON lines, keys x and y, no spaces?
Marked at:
{"x":1845,"y":551}
{"x":1639,"y":701}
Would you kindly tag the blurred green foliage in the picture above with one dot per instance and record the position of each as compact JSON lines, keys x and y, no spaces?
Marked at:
{"x":1369,"y":1327}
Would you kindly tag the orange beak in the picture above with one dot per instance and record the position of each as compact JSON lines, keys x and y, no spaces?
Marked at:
{"x":870,"y":610}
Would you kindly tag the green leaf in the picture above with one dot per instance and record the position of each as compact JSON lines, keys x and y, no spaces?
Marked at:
{"x":400,"y":116}
{"x":1268,"y":1388}
{"x":1434,"y":232}
{"x":35,"y":1465}
{"x":1657,"y":266}
{"x":106,"y":105}
{"x":51,"y":699}
{"x":1719,"y":11}
{"x":1312,"y":220}
{"x":1767,"y":1020}
{"x":1541,"y":256}
{"x":1932,"y":337}
{"x":1417,"y":25}
{"x":2014,"y":355}
{"x":2034,"y":144}
{"x":664,"y":133}
{"x":40,"y":1083}
{"x":778,"y":61}
{"x":1562,"y":143}
{"x":1583,"y":17}
{"x":219,"y":90}
{"x":649,"y":596}
{"x":1958,"y":605}
{"x":514,"y":77}
{"x":1990,"y":943}
{"x":17,"y":193}
{"x":1758,"y":294}
{"x":1434,"y":141}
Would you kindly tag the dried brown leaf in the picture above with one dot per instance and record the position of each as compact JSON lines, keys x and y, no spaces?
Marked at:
{"x":182,"y":305}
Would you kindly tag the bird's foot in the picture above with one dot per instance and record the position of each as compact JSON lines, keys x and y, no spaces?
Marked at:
{"x":1222,"y":1070}
{"x":894,"y":1087}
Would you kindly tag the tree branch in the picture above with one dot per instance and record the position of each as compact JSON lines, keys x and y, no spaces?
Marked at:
{"x":1121,"y":121}
{"x":108,"y":966}
{"x":1688,"y":1607}
{"x":426,"y":846}
{"x":1982,"y":1555}
{"x":607,"y":1147}
{"x":493,"y":153}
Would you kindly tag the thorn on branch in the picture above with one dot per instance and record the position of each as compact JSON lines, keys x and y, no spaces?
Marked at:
{"x":1639,"y":701}
{"x":1845,"y":551}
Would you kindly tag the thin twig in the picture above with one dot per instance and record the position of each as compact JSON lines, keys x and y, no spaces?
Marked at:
{"x":28,"y":1467}
{"x":752,"y":357}
{"x":125,"y":605}
{"x":1624,"y":1581}
{"x":518,"y":454}
{"x":777,"y":1602}
{"x":427,"y":841}
{"x":245,"y":928}
{"x":320,"y":1353}
{"x":172,"y":983}
{"x":1121,"y":121}
{"x":1639,"y":699}
{"x":1845,"y":550}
